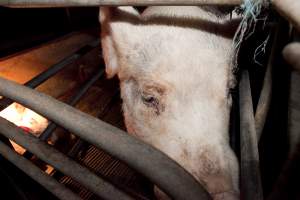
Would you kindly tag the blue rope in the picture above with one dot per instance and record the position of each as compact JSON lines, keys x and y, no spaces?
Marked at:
{"x":250,"y":12}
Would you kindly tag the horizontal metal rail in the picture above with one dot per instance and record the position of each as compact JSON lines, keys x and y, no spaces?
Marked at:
{"x":69,"y":3}
{"x":251,"y":187}
{"x":35,"y":173}
{"x":44,"y":76}
{"x":61,"y":162}
{"x":159,"y":168}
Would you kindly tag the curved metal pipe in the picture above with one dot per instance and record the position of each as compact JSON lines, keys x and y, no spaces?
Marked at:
{"x":291,"y":54}
{"x":61,"y":162}
{"x":155,"y":165}
{"x":68,"y":3}
{"x":39,"y":176}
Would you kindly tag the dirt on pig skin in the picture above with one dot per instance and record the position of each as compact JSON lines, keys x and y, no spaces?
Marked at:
{"x":175,"y":69}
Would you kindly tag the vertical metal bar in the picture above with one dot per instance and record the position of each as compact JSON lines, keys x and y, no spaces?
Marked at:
{"x":61,"y":162}
{"x":290,"y":10}
{"x":286,"y":187}
{"x":39,"y":176}
{"x":251,"y":187}
{"x":266,"y":92}
{"x":264,"y":99}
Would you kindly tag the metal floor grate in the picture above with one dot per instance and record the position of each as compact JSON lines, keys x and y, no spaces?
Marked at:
{"x":102,"y":163}
{"x":113,"y":170}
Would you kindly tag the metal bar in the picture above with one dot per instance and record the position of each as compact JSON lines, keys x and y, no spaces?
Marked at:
{"x":7,"y":179}
{"x":286,"y":185}
{"x":266,"y":92}
{"x":42,"y":77}
{"x":46,"y":133}
{"x":264,"y":102}
{"x":155,"y":165}
{"x":78,"y":146}
{"x":68,"y":3}
{"x":290,"y":10}
{"x":86,"y":87}
{"x":73,"y":101}
{"x":291,"y":54}
{"x":61,"y":162}
{"x":251,"y":187}
{"x":39,"y":176}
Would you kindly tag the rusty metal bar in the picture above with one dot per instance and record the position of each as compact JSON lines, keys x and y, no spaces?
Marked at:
{"x":251,"y":187}
{"x":70,"y":3}
{"x":291,"y":54}
{"x":35,"y":173}
{"x":61,"y":162}
{"x":155,"y":165}
{"x":290,"y":10}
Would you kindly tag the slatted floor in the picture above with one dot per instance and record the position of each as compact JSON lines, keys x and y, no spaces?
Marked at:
{"x":107,"y":106}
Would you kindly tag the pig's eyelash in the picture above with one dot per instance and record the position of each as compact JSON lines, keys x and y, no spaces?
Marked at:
{"x":150,"y":100}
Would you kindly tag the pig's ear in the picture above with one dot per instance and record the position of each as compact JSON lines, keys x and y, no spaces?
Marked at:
{"x":115,"y":23}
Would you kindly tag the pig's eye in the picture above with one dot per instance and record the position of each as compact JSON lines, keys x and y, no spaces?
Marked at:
{"x":153,"y":98}
{"x":150,"y":100}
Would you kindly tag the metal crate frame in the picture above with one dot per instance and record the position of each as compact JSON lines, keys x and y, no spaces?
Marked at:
{"x":158,"y":167}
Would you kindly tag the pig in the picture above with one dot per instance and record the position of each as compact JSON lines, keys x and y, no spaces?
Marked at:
{"x":25,"y":118}
{"x":175,"y":72}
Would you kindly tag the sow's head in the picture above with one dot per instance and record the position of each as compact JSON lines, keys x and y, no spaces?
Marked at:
{"x":174,"y":67}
